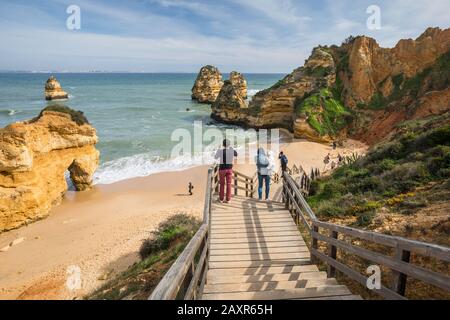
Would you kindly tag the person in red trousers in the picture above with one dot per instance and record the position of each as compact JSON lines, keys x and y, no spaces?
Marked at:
{"x":226,"y":156}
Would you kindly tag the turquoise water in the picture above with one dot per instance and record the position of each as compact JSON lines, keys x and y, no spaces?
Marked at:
{"x":134,"y":114}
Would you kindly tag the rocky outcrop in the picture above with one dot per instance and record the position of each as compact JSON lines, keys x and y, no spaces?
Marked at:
{"x":34,"y":157}
{"x":343,"y":90}
{"x":208,"y":85}
{"x":230,"y":104}
{"x":371,"y":66}
{"x":53,"y":90}
{"x":239,"y":82}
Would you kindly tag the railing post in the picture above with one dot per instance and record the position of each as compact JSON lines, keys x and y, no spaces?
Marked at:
{"x":314,"y":244}
{"x":246,"y":187}
{"x":216,"y":179}
{"x":400,"y":279}
{"x":332,"y":252}
{"x":252,"y":186}
{"x":235,"y":184}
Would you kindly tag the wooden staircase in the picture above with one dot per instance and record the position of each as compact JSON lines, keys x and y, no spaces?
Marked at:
{"x":251,"y":250}
{"x":256,"y":252}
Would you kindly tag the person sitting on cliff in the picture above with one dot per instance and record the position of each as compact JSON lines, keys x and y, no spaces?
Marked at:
{"x":226,"y":156}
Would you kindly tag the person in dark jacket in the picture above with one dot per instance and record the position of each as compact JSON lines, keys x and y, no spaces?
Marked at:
{"x":284,"y":161}
{"x":226,"y":156}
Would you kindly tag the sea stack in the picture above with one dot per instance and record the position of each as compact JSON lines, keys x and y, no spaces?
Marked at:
{"x":208,"y":85}
{"x":239,"y":82}
{"x":53,"y":90}
{"x":34,"y":158}
{"x":231,"y":100}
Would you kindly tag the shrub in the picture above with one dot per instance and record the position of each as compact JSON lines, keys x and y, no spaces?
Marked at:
{"x":365,"y":219}
{"x":332,"y":189}
{"x":168,"y":233}
{"x":76,"y":116}
{"x":330,"y":209}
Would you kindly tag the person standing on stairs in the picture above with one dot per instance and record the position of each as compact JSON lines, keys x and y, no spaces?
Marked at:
{"x":226,"y":156}
{"x":265,"y":166}
{"x":283,"y":161}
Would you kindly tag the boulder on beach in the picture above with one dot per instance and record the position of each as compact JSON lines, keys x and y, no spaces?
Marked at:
{"x":34,"y":157}
{"x":208,"y":85}
{"x":53,"y":90}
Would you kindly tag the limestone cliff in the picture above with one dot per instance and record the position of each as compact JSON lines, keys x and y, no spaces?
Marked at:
{"x":34,"y":156}
{"x":208,"y":85}
{"x":53,"y":90}
{"x":239,"y":82}
{"x":353,"y":89}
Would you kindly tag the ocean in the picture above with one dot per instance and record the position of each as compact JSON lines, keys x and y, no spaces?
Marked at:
{"x":134,"y":114}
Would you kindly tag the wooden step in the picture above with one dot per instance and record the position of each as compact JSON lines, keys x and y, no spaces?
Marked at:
{"x":349,"y":297}
{"x":258,"y":245}
{"x":236,"y":238}
{"x":260,"y":257}
{"x":261,"y":251}
{"x":258,"y":264}
{"x":234,"y":221}
{"x":256,"y":231}
{"x":254,"y":225}
{"x":267,"y":286}
{"x":279,"y":277}
{"x":264,"y":270}
{"x":287,"y":294}
{"x":267,"y":218}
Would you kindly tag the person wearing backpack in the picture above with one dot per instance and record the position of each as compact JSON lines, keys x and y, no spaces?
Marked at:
{"x":284,"y":161}
{"x":226,"y":157}
{"x":265,"y":168}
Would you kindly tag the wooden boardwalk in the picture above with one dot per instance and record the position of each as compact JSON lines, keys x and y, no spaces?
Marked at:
{"x":257,"y":253}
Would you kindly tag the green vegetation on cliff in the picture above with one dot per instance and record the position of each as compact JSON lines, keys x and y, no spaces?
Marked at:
{"x":324,"y":113}
{"x":76,"y":116}
{"x":403,"y":175}
{"x":436,"y":77}
{"x":157,"y":253}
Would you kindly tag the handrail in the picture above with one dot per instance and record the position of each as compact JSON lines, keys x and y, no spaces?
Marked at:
{"x":187,"y":276}
{"x":400,"y":264}
{"x":182,"y":279}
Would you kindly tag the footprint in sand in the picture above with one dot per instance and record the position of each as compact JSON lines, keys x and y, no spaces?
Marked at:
{"x":69,"y":221}
{"x":12,"y":244}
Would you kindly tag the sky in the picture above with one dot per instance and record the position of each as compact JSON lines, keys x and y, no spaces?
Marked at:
{"x":261,"y":36}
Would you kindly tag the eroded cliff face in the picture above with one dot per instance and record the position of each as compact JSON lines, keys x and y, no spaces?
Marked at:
{"x":208,"y":85}
{"x":34,"y":157}
{"x":53,"y":90}
{"x":352,"y":89}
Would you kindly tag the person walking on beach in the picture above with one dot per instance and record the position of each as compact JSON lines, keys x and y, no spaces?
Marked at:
{"x":284,"y":161}
{"x":226,"y":156}
{"x":265,"y":167}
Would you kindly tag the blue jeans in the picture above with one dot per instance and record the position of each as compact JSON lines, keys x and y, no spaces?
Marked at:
{"x":261,"y":180}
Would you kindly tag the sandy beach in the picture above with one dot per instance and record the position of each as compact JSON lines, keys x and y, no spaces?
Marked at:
{"x":100,"y":231}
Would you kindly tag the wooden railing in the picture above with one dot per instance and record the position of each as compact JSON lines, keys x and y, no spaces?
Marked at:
{"x":332,"y":235}
{"x":186,"y":278}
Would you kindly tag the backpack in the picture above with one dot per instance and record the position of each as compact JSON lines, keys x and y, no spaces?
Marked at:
{"x":284,"y":160}
{"x":262,"y":161}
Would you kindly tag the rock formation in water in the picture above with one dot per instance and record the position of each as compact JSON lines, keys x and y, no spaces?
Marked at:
{"x":208,"y":85}
{"x":357,"y":89}
{"x":229,"y":104}
{"x":239,"y":82}
{"x":53,"y":90}
{"x":34,"y":157}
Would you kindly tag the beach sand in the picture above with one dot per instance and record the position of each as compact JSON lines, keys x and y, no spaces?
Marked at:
{"x":100,"y":231}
